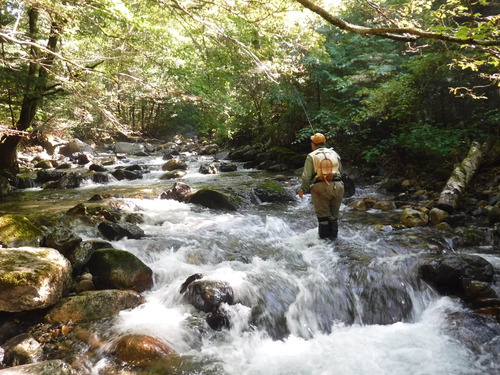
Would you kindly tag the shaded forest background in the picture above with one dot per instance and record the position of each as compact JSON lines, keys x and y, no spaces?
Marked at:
{"x":247,"y":72}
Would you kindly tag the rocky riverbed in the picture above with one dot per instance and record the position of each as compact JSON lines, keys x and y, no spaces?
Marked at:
{"x":59,"y":289}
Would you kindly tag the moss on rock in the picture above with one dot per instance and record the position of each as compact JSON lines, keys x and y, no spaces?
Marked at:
{"x":18,"y":230}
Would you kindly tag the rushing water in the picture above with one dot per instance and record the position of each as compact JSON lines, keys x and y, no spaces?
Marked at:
{"x":303,"y":306}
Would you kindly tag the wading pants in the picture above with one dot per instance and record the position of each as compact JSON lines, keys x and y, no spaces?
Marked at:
{"x":327,"y":199}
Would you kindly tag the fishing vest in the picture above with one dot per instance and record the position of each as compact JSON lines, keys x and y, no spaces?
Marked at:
{"x":326,"y":164}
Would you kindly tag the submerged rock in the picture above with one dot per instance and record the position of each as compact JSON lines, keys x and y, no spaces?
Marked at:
{"x":138,"y":350}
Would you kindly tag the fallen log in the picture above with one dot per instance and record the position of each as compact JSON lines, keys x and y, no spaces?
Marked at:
{"x":461,"y":176}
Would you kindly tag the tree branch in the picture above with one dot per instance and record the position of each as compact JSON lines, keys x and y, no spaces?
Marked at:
{"x":407,"y":34}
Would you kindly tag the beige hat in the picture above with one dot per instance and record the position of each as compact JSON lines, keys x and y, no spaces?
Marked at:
{"x":318,"y":138}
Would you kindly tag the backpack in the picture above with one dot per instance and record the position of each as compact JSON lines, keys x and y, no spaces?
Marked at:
{"x":325,"y":169}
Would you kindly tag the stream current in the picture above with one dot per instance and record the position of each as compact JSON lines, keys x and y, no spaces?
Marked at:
{"x":302,"y":305}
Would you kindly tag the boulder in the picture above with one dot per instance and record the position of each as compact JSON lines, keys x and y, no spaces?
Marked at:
{"x":414,"y":218}
{"x":115,"y":231}
{"x":452,"y":273}
{"x":44,"y":175}
{"x":61,"y":239}
{"x":208,"y":295}
{"x":177,"y":192}
{"x":128,"y":147}
{"x":170,"y":175}
{"x":22,"y":349}
{"x":93,"y":305}
{"x":119,"y":269}
{"x":70,"y":180}
{"x":139,"y":350}
{"x":44,"y":164}
{"x":227,"y":167}
{"x":174,"y":164}
{"x":99,"y":178}
{"x":80,"y":255}
{"x":384,"y":205}
{"x":437,"y":216}
{"x":51,"y":367}
{"x":96,"y":167}
{"x":208,"y":169}
{"x":211,"y":149}
{"x":32,"y":278}
{"x":76,"y":146}
{"x":17,"y":230}
{"x":214,"y":199}
{"x":272,"y":191}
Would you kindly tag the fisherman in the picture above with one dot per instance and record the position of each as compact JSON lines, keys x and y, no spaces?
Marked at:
{"x":321,"y":177}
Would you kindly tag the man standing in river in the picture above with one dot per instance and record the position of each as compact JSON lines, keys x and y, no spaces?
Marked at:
{"x":321,"y":177}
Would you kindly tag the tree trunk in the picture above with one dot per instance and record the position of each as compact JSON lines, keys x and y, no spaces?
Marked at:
{"x":461,"y":176}
{"x":36,"y":87}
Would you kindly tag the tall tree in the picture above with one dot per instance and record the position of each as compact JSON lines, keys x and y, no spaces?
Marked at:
{"x":37,"y":84}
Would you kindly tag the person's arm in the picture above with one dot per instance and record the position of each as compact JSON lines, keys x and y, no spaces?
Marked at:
{"x":307,"y":175}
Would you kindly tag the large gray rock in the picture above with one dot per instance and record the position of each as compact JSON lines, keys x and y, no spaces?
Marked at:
{"x":452,"y":273}
{"x":32,"y":278}
{"x":128,"y":147}
{"x":76,"y":146}
{"x":93,"y":305}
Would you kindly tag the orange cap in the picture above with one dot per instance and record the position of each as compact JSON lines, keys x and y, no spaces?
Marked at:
{"x":318,"y":138}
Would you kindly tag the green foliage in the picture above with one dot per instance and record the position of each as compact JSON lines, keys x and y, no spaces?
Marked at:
{"x":247,"y":72}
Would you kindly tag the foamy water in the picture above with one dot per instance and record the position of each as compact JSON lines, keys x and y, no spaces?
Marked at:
{"x":274,"y":260}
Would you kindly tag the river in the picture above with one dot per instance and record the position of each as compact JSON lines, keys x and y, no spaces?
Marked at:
{"x":303,"y":306}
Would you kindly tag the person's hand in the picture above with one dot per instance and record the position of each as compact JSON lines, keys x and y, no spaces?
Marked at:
{"x":300,"y":193}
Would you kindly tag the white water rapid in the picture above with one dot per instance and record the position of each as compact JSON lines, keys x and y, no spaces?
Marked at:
{"x":303,"y":306}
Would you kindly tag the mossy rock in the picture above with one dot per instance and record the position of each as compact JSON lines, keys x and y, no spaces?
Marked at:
{"x":216,"y":200}
{"x":93,"y":305}
{"x":18,"y":230}
{"x":32,"y":278}
{"x":119,"y":269}
{"x":271,"y":191}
